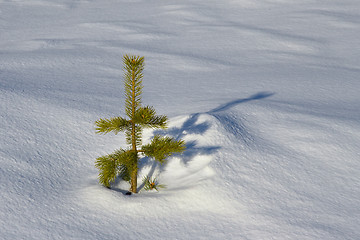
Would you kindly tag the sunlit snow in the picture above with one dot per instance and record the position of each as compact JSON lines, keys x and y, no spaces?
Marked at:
{"x":264,"y":92}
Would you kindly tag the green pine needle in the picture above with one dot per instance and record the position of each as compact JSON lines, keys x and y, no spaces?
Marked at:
{"x":162,"y":147}
{"x":146,"y":116}
{"x":152,"y":183}
{"x":108,"y":169}
{"x":133,"y":66}
{"x":115,"y":124}
{"x":120,"y":163}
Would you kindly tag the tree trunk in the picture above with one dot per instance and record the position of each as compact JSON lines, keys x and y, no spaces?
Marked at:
{"x":134,"y":181}
{"x":133,"y":137}
{"x":133,"y":174}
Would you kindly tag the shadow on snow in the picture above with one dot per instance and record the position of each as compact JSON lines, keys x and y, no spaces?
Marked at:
{"x":190,"y":126}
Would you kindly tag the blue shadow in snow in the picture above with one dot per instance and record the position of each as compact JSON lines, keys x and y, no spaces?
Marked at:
{"x":190,"y":126}
{"x":226,"y":106}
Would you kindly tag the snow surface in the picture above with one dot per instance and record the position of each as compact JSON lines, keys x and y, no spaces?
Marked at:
{"x":265,"y":92}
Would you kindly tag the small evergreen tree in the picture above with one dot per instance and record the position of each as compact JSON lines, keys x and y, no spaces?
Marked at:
{"x":124,"y":162}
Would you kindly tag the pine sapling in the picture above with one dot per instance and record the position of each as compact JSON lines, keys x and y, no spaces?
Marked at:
{"x":124,"y":163}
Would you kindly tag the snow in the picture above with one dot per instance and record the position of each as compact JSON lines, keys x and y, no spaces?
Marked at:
{"x":264,"y":92}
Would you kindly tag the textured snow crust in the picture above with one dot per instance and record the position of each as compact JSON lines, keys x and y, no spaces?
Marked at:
{"x":264,"y":92}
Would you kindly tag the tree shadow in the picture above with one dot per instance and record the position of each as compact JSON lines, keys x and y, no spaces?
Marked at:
{"x":116,"y":189}
{"x":226,"y":106}
{"x":192,"y":126}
